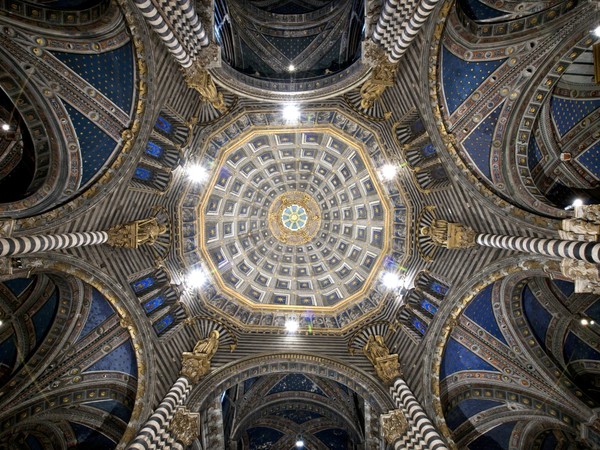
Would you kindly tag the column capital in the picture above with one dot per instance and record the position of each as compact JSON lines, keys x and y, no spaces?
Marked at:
{"x":134,"y":234}
{"x":185,"y":426}
{"x":450,"y":235}
{"x":393,"y":425}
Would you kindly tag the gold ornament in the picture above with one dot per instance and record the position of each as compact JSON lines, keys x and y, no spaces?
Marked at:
{"x":185,"y":426}
{"x":449,"y":234}
{"x":383,"y":76}
{"x":197,"y":363}
{"x":393,"y":425}
{"x":386,"y":366}
{"x":197,"y":77}
{"x":134,"y":234}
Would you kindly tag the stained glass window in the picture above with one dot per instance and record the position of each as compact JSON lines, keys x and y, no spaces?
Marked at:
{"x":164,"y":125}
{"x":428,"y":151}
{"x":154,"y":303}
{"x":420,"y":326}
{"x":428,"y":306}
{"x":143,"y":284}
{"x":143,"y":174}
{"x":438,"y":288}
{"x":163,"y":323}
{"x":154,"y":149}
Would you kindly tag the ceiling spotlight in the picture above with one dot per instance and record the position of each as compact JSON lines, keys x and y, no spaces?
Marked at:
{"x":292,"y":325}
{"x":196,"y":279}
{"x":291,"y":112}
{"x":577,"y":202}
{"x":596,"y":31}
{"x":299,"y":443}
{"x":388,"y":171}
{"x":391,"y":280}
{"x":291,"y":68}
{"x":5,"y":127}
{"x":585,"y":322}
{"x":197,"y":173}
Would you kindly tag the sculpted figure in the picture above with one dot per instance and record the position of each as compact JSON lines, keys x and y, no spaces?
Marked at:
{"x":376,"y":348}
{"x":437,"y":231}
{"x":134,"y":234}
{"x":148,"y":231}
{"x":386,"y":366}
{"x":197,"y":363}
{"x":449,"y":234}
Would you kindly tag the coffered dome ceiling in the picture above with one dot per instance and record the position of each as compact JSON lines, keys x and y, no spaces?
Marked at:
{"x":294,"y":219}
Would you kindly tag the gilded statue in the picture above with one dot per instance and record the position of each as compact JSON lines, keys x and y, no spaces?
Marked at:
{"x":198,"y":78}
{"x":393,"y":425}
{"x":386,"y":366}
{"x":185,"y":426}
{"x":449,"y":234}
{"x":134,"y":234}
{"x":197,"y":363}
{"x":384,"y":75}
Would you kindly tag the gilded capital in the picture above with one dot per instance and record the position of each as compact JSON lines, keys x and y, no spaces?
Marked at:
{"x":197,"y":77}
{"x":382,"y":76}
{"x":185,"y":426}
{"x":134,"y":234}
{"x":449,"y":234}
{"x":393,"y":425}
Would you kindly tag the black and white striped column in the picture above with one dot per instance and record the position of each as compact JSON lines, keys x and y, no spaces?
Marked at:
{"x":155,"y":435}
{"x":421,"y":434}
{"x":178,"y":26}
{"x":581,"y":250}
{"x":13,"y":246}
{"x":399,"y":23}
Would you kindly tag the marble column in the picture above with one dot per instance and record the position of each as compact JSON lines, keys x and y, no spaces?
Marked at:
{"x":12,"y":246}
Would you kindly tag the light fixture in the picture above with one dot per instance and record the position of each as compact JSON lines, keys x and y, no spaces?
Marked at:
{"x":391,"y":280}
{"x":196,"y":278}
{"x":388,"y":171}
{"x":291,"y":325}
{"x":576,"y":202}
{"x":596,"y":31}
{"x":197,"y":173}
{"x":291,"y":68}
{"x":299,"y":441}
{"x":585,"y":322}
{"x":291,"y":112}
{"x":5,"y":127}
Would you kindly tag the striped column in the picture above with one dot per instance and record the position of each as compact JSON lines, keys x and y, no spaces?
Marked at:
{"x":399,"y":23}
{"x":421,"y":434}
{"x":155,"y":435}
{"x":178,"y":26}
{"x":13,"y":246}
{"x":581,"y":250}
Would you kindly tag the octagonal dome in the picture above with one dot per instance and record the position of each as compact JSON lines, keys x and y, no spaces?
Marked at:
{"x":265,"y":257}
{"x":294,"y":220}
